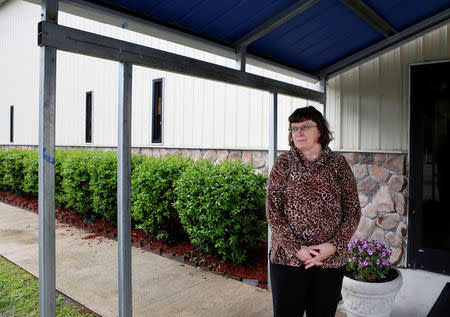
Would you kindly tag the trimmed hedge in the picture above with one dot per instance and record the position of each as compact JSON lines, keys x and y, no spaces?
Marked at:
{"x":31,"y":178}
{"x":222,"y":207}
{"x":76,"y":179}
{"x":31,"y":175}
{"x":3,"y":155}
{"x":219,"y":207}
{"x":60,"y":195}
{"x":13,"y":169}
{"x":153,"y":197}
{"x":103,"y":184}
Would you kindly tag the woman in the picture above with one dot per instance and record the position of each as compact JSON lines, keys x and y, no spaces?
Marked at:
{"x":313,"y":211}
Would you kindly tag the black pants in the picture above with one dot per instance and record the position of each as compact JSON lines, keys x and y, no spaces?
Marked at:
{"x":296,"y":289}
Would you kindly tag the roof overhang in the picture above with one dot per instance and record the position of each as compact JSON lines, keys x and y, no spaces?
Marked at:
{"x":304,"y":39}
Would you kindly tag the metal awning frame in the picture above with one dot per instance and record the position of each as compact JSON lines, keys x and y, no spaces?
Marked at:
{"x":53,"y":37}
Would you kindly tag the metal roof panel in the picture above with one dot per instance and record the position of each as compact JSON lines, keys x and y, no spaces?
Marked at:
{"x":317,"y":37}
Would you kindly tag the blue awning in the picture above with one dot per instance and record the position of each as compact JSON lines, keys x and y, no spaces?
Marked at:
{"x":318,"y":39}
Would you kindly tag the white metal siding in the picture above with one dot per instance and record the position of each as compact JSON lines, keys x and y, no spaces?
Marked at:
{"x":19,"y":64}
{"x":368,"y":106}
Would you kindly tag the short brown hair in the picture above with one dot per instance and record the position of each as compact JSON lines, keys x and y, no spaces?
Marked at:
{"x":311,"y":113}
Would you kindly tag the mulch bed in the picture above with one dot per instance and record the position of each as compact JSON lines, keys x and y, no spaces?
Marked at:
{"x":253,"y":272}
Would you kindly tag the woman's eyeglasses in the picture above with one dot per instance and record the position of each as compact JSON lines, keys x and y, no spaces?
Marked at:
{"x":303,"y":128}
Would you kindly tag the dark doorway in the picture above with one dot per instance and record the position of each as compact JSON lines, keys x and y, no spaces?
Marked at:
{"x":429,"y":239}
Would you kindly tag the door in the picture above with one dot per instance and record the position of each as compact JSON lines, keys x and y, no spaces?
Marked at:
{"x":429,"y":238}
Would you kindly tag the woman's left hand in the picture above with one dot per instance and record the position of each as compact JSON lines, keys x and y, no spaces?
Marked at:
{"x":325,"y":250}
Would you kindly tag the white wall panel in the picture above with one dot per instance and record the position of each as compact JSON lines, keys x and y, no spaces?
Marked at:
{"x":189,"y":102}
{"x":77,"y":75}
{"x":333,"y":110}
{"x":435,"y":45}
{"x":20,"y":72}
{"x":448,"y":41}
{"x":231,"y":98}
{"x":411,"y":53}
{"x":390,"y":107}
{"x":142,"y":105}
{"x":350,"y":109}
{"x":369,"y":110}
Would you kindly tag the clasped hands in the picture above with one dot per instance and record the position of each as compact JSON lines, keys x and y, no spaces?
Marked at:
{"x":314,"y":255}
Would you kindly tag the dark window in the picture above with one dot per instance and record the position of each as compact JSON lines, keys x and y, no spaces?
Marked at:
{"x":88,"y":138}
{"x":157,"y":111}
{"x":11,"y":124}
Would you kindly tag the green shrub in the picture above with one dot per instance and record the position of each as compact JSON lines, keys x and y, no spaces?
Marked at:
{"x":61,"y":156}
{"x":3,"y":155}
{"x":153,"y":197}
{"x":103,"y":184}
{"x":31,"y":178}
{"x":14,"y":169}
{"x":222,"y":207}
{"x":75,"y":183}
{"x":31,"y":172}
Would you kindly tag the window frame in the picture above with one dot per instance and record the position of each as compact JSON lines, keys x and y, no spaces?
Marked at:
{"x":153,"y":137}
{"x":11,"y":123}
{"x":88,"y":122}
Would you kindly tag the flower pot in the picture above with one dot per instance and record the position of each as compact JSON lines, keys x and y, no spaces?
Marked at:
{"x":370,"y":299}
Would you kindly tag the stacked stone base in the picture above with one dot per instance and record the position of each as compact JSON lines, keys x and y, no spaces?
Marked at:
{"x":383,"y":192}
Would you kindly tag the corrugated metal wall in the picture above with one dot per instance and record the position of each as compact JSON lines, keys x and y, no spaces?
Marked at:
{"x":368,"y":106}
{"x":19,"y":65}
{"x":196,"y":112}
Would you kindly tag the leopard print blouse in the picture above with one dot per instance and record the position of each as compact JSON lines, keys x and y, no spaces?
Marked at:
{"x":311,"y":202}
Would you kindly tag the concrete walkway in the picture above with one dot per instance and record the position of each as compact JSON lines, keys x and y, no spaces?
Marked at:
{"x":86,"y":270}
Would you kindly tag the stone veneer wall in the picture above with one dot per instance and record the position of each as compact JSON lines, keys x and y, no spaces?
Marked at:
{"x":381,"y":182}
{"x":383,"y":191}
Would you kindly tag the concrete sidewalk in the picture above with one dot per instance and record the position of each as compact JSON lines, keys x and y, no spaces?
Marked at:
{"x":86,"y":270}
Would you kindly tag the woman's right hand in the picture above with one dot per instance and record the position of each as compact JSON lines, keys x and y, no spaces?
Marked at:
{"x":305,"y":254}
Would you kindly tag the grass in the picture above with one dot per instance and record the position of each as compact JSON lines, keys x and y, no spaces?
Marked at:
{"x":19,"y":294}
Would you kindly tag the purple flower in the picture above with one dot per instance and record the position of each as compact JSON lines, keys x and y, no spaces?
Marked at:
{"x":366,"y":254}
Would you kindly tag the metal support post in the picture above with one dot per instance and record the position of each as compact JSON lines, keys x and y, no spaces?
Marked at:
{"x":47,"y":106}
{"x":124,"y":189}
{"x":323,"y":88}
{"x":241,"y":58}
{"x":273,"y":137}
{"x":273,"y":125}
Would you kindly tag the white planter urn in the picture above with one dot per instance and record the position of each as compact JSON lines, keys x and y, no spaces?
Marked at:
{"x":370,"y":299}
